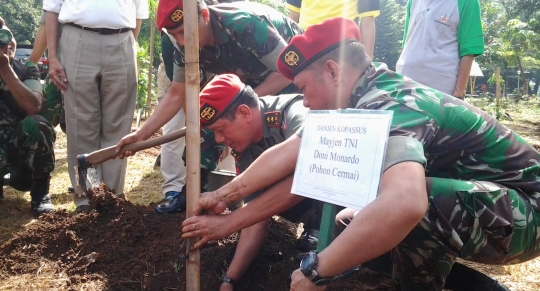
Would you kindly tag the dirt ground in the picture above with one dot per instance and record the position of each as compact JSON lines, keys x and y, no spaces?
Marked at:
{"x":121,"y":246}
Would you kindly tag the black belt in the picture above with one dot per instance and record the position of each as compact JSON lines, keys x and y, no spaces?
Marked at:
{"x":105,"y":31}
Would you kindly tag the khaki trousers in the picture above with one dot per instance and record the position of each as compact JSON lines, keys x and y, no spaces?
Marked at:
{"x":99,"y":99}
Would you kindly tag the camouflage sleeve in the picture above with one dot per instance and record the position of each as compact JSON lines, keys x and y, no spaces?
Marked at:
{"x":262,"y":39}
{"x":32,"y":80}
{"x":402,"y":149}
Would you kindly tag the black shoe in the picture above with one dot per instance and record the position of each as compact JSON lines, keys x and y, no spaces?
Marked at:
{"x":71,"y":189}
{"x":42,"y":206}
{"x":308,"y":240}
{"x":175,"y":202}
{"x":463,"y":278}
{"x":41,"y":201}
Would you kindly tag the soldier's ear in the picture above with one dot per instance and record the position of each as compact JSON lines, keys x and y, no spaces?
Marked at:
{"x":243,"y":111}
{"x":333,"y":69}
{"x":205,"y":14}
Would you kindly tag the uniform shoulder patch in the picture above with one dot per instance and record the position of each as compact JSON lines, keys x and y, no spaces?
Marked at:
{"x":236,"y":155}
{"x":272,"y":118}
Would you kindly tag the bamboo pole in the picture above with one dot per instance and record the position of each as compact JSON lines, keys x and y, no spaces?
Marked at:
{"x":193,"y":143}
{"x":150,"y":67}
{"x":497,"y":91}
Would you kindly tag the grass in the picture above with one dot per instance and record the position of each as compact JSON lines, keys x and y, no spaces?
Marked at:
{"x":143,"y":186}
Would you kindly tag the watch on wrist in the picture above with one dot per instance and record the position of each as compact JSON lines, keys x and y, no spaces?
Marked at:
{"x":226,"y":279}
{"x":308,"y":266}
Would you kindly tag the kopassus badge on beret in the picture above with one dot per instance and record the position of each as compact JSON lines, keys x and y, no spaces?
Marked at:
{"x":177,"y":15}
{"x":293,"y":58}
{"x":208,"y":112}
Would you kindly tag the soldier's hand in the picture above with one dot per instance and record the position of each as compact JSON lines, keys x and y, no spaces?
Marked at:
{"x":128,"y":139}
{"x":4,"y":56}
{"x":57,"y":73}
{"x":207,"y":227}
{"x":299,"y":282}
{"x":209,"y":202}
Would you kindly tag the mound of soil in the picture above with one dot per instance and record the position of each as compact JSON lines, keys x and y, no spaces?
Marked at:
{"x":128,"y":247}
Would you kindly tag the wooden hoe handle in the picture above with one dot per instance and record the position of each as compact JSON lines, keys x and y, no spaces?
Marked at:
{"x":103,"y":155}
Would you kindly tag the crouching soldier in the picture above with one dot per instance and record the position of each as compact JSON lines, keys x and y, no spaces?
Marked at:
{"x":26,"y":139}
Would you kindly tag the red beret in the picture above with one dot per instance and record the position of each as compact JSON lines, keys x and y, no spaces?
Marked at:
{"x":318,"y":40}
{"x":217,"y":96}
{"x":170,"y":14}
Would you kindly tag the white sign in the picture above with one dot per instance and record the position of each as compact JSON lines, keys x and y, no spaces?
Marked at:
{"x":341,"y":156}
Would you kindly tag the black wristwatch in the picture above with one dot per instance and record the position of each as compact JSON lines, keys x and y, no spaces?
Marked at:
{"x":308,"y":266}
{"x":225,"y":279}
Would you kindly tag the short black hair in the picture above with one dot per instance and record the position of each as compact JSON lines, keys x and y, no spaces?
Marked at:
{"x":247,"y":97}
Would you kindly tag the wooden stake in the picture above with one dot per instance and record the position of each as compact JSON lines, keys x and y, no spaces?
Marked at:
{"x":150,"y":67}
{"x":497,"y":90}
{"x":193,"y":140}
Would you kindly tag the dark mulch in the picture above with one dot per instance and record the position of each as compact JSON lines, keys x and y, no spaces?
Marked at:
{"x":129,"y":247}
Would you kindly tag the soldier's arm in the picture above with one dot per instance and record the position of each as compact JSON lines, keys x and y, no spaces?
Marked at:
{"x":271,"y":166}
{"x":383,"y":223}
{"x":172,"y":102}
{"x":274,"y":83}
{"x":29,"y":99}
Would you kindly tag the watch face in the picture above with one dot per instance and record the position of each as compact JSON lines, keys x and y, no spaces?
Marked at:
{"x":308,"y":263}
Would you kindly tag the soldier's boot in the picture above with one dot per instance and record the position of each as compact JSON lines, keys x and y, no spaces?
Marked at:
{"x":2,"y":188}
{"x":41,"y":200}
{"x":463,"y":278}
{"x":175,"y":202}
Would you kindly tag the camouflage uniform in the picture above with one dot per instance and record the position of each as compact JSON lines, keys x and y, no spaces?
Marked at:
{"x":51,"y":108}
{"x":282,"y":117}
{"x":249,"y":36}
{"x":26,"y":142}
{"x":481,"y":177}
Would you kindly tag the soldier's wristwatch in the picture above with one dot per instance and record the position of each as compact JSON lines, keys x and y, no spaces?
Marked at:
{"x":308,"y":266}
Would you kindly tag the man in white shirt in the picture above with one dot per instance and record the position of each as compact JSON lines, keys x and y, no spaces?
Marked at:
{"x":97,"y":71}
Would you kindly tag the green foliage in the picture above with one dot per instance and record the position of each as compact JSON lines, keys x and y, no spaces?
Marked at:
{"x":142,"y":89}
{"x":492,"y":81}
{"x":389,"y":33}
{"x":22,"y":17}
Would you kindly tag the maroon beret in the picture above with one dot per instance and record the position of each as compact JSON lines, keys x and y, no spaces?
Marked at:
{"x":318,"y":40}
{"x":170,"y":14}
{"x":217,"y":96}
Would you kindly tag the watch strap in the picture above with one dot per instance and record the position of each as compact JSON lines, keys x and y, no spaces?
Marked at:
{"x":226,"y":279}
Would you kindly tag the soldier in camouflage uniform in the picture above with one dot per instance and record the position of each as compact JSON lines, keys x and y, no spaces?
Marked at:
{"x":456,"y":182}
{"x":26,"y":139}
{"x":242,"y":38}
{"x":251,"y":125}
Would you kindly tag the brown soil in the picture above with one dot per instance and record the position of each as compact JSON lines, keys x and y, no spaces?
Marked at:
{"x":129,"y":247}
